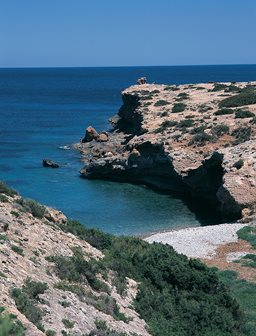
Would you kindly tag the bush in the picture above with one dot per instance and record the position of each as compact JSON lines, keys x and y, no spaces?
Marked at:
{"x":248,"y":233}
{"x":204,"y":108}
{"x":201,"y":139}
{"x":178,"y":107}
{"x":246,"y":97}
{"x":243,"y":114}
{"x":241,"y":134}
{"x":94,"y":237}
{"x":182,"y":96}
{"x":9,"y":325}
{"x":218,"y":87}
{"x":36,"y":209}
{"x":219,"y":130}
{"x":68,"y":324}
{"x":4,"y":189}
{"x":161,"y":103}
{"x":183,"y":124}
{"x":224,"y":111}
{"x":26,"y":299}
{"x":17,"y":249}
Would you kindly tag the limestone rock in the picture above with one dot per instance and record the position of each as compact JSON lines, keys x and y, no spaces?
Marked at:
{"x":90,"y":134}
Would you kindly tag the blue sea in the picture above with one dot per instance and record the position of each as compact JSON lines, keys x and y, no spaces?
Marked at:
{"x":42,"y":110}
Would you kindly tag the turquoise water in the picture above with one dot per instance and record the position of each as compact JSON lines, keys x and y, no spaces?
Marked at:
{"x":42,"y":110}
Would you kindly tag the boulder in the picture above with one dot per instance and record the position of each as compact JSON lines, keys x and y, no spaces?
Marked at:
{"x":103,"y":137}
{"x":50,"y":163}
{"x":55,"y":216}
{"x":90,"y":134}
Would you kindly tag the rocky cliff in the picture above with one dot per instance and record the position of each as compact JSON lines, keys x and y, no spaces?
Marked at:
{"x":44,"y":300}
{"x":197,"y":141}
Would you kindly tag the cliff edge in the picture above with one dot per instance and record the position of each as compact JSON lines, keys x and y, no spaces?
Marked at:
{"x":197,"y":141}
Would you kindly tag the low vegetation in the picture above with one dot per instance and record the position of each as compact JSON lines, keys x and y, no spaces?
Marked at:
{"x":244,"y":293}
{"x":26,"y":299}
{"x":4,"y":189}
{"x":246,"y":97}
{"x":178,"y":107}
{"x":173,"y":290}
{"x":9,"y":325}
{"x":36,"y":209}
{"x":161,"y":102}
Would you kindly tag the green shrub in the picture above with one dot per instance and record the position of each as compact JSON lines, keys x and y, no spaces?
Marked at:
{"x":68,"y":324}
{"x":246,"y":97}
{"x":17,"y":249}
{"x":27,"y":307}
{"x":3,"y":237}
{"x":94,"y":237}
{"x":50,"y":333}
{"x":219,"y":130}
{"x":3,"y":198}
{"x":245,"y":294}
{"x":198,"y":129}
{"x":204,"y":108}
{"x":4,"y":189}
{"x":34,"y":288}
{"x":218,"y":87}
{"x":65,"y":304}
{"x":161,"y":102}
{"x":183,"y":124}
{"x":201,"y":139}
{"x":224,"y":111}
{"x":241,"y":134}
{"x":233,"y":88}
{"x":182,"y":96}
{"x":248,"y":233}
{"x":243,"y":114}
{"x":36,"y":209}
{"x":9,"y":325}
{"x":179,"y":107}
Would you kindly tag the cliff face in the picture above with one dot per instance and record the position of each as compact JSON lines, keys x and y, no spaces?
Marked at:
{"x":195,"y":140}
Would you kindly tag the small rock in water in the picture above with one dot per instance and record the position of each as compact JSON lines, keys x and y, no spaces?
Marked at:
{"x":50,"y":163}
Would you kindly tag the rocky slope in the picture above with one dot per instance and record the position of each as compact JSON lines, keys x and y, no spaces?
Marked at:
{"x":197,"y":141}
{"x":26,"y":245}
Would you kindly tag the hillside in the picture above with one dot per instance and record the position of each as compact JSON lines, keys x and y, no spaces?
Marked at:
{"x":60,"y":278}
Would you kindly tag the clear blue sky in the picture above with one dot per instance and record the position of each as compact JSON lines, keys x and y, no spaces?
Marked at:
{"x":136,"y":32}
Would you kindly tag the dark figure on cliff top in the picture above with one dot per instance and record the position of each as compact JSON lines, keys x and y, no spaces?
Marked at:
{"x":142,"y":80}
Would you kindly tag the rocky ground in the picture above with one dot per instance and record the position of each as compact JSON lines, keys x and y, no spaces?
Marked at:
{"x":25,"y":243}
{"x":197,"y":141}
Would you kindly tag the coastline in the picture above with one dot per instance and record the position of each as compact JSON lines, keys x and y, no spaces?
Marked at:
{"x":198,"y":242}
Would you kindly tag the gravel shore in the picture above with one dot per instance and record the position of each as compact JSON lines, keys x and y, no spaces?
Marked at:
{"x":199,"y":242}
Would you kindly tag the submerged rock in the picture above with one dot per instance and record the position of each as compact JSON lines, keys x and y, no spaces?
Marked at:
{"x":50,"y":163}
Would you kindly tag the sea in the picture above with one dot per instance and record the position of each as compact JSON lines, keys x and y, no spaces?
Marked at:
{"x":43,"y":111}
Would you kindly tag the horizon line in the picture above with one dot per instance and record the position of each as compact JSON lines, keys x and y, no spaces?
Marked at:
{"x":126,"y":66}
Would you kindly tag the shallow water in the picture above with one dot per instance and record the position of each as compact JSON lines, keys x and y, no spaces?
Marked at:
{"x":42,"y":110}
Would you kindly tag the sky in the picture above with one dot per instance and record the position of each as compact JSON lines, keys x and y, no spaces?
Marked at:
{"x":80,"y":33}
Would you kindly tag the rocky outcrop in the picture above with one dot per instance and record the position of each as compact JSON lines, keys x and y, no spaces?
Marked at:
{"x":50,"y":163}
{"x":182,"y":140}
{"x":91,"y":134}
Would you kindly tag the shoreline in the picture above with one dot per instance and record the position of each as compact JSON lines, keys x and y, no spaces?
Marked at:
{"x":198,"y":242}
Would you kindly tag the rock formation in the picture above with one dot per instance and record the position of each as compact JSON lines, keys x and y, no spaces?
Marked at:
{"x":197,"y":141}
{"x":50,"y":163}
